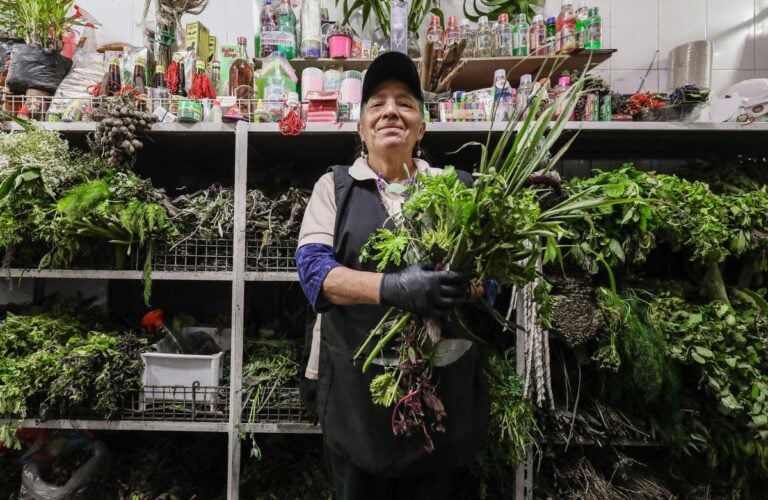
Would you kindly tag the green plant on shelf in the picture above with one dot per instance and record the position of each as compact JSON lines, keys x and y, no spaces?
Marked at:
{"x":38,"y":22}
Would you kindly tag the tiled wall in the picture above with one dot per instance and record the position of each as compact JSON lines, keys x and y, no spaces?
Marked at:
{"x":637,"y":28}
{"x":738,"y":30}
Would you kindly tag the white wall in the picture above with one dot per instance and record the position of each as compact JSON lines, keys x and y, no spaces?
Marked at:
{"x":637,"y":28}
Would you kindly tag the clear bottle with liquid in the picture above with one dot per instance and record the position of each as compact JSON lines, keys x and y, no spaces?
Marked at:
{"x":566,"y":27}
{"x":524,"y":93}
{"x":582,"y":24}
{"x":268,"y":27}
{"x":595,"y":31}
{"x":310,"y":29}
{"x":537,"y":40}
{"x":553,"y":41}
{"x":469,"y":34}
{"x":484,"y":46}
{"x":562,"y":86}
{"x":435,"y":33}
{"x":452,"y":33}
{"x":286,"y":26}
{"x":502,"y":37}
{"x":502,"y":96}
{"x":520,"y":34}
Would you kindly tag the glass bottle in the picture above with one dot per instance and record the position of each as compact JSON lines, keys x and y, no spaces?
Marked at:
{"x":240,"y":82}
{"x":286,"y":25}
{"x":435,"y":33}
{"x":502,"y":39}
{"x":216,"y":76}
{"x":520,"y":36}
{"x":562,"y":86}
{"x":484,"y":46}
{"x":566,"y":27}
{"x":582,"y":24}
{"x":553,"y":44}
{"x":159,"y":81}
{"x":452,"y":32}
{"x":115,"y":81}
{"x":470,"y":35}
{"x":181,"y":90}
{"x":268,"y":27}
{"x":139,"y":75}
{"x":595,"y":31}
{"x":537,"y":41}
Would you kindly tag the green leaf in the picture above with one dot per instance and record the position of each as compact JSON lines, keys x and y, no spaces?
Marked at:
{"x":704,"y":352}
{"x":615,"y":247}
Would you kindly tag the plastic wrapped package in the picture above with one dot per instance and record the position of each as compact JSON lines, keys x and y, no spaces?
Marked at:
{"x":85,"y":483}
{"x":87,"y":71}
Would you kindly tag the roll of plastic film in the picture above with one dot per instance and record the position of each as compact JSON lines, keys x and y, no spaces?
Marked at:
{"x":352,"y":87}
{"x":332,"y":79}
{"x":311,"y":80}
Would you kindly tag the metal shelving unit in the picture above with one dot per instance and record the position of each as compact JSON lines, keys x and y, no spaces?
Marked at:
{"x":242,"y":260}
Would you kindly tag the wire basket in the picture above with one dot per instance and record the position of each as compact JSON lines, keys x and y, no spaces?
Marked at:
{"x":152,"y":403}
{"x":282,"y":406}
{"x":265,"y":252}
{"x":194,"y":255}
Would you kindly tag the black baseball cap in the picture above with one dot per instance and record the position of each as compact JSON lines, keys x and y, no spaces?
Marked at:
{"x":392,"y":66}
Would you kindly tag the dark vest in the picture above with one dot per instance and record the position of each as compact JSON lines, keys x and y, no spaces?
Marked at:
{"x":352,"y":425}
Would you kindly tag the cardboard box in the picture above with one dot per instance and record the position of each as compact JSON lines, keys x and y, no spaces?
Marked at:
{"x":227,"y":57}
{"x":213,"y":49}
{"x":197,"y":40}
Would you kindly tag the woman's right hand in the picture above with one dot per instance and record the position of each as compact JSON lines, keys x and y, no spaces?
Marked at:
{"x":420,"y":289}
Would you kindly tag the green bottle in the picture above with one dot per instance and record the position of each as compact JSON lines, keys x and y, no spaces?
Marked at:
{"x":595,"y":31}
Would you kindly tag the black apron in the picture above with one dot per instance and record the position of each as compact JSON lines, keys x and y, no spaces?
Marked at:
{"x":353,"y":426}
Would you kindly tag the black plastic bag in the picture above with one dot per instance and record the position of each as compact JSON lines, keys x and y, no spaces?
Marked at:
{"x":5,"y":48}
{"x":33,"y":67}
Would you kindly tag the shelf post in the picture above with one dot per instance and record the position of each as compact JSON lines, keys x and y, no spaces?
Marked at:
{"x":524,"y":470}
{"x":238,"y":311}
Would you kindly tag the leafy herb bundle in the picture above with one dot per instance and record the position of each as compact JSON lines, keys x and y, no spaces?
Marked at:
{"x":74,"y":362}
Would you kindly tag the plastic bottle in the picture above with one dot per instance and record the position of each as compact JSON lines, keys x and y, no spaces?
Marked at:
{"x":566,"y":27}
{"x":523,"y":93}
{"x":268,"y":26}
{"x":520,"y":36}
{"x":502,"y":37}
{"x":484,"y":46}
{"x":595,"y":31}
{"x":537,"y":40}
{"x":286,"y":25}
{"x":502,"y":96}
{"x":452,"y":32}
{"x":310,"y":29}
{"x":435,"y":33}
{"x":562,"y":86}
{"x":582,"y":24}
{"x":470,"y":35}
{"x":275,"y":82}
{"x":553,"y":44}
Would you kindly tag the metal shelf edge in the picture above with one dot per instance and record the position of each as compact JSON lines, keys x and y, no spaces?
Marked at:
{"x":271,"y":276}
{"x":116,"y":275}
{"x":266,"y":428}
{"x":125,"y":425}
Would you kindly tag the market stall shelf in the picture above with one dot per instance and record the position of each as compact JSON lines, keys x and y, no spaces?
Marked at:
{"x":478,"y":71}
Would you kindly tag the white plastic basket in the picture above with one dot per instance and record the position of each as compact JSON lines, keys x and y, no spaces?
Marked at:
{"x":180,"y":370}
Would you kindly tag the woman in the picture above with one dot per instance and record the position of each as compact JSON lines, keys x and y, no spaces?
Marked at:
{"x":365,"y":459}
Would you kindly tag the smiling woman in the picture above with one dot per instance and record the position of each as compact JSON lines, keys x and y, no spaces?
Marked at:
{"x":379,"y":450}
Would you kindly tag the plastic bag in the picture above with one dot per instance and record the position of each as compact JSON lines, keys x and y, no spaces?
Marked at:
{"x":33,"y":67}
{"x":6,"y":44}
{"x":85,"y":482}
{"x":87,"y":71}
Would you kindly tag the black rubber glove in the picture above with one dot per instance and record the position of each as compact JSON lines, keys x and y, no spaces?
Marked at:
{"x":424,"y":291}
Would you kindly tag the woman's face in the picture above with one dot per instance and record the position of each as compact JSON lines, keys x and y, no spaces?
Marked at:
{"x":391,"y":119}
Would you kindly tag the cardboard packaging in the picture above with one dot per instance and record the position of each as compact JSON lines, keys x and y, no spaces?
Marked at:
{"x":197,"y":40}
